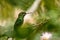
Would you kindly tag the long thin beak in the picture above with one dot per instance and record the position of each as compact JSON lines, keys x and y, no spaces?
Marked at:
{"x":29,"y":13}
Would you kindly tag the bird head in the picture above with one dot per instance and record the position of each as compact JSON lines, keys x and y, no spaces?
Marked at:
{"x":22,"y":14}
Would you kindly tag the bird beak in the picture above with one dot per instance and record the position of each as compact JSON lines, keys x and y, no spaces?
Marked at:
{"x":29,"y":13}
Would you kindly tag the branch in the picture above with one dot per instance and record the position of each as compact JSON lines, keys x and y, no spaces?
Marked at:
{"x":34,"y":6}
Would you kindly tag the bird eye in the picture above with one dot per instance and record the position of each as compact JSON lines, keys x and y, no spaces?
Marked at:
{"x":24,"y":13}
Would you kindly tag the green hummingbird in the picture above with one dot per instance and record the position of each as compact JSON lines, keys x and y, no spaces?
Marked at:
{"x":19,"y":22}
{"x":22,"y":32}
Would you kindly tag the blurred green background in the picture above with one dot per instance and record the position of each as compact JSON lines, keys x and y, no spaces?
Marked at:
{"x":48,"y":14}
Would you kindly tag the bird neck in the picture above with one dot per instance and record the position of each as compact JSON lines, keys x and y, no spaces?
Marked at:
{"x":21,"y":18}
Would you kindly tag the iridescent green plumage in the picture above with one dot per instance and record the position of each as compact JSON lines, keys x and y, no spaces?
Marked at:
{"x":19,"y":21}
{"x":26,"y":30}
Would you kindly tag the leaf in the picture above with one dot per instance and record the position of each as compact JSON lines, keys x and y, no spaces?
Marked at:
{"x":50,"y":4}
{"x":23,"y":4}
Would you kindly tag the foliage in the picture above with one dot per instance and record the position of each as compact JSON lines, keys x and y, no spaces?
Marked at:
{"x":23,"y":4}
{"x":48,"y":19}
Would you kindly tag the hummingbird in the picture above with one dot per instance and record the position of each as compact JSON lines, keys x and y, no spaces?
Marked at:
{"x":22,"y":32}
{"x":19,"y":22}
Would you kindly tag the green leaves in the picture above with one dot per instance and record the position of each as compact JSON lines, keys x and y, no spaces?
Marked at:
{"x":54,"y":16}
{"x":53,"y":23}
{"x":50,"y":4}
{"x":24,"y":31}
{"x":7,"y":29}
{"x":23,"y":4}
{"x":6,"y":10}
